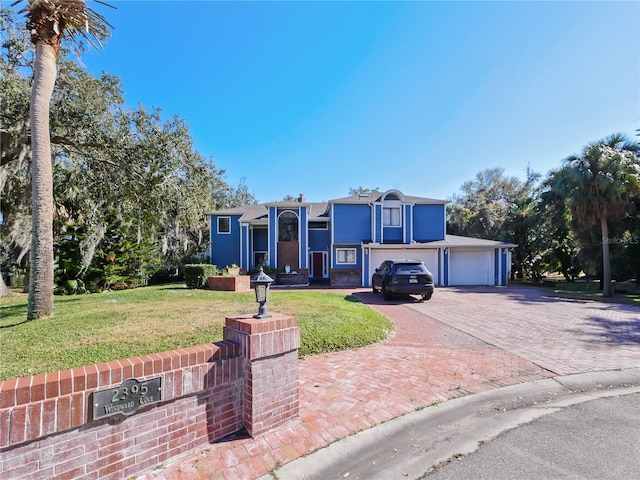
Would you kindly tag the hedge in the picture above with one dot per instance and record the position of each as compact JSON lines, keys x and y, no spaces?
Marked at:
{"x":195,"y":276}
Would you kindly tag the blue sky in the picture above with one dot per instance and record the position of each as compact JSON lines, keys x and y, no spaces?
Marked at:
{"x":318,"y":97}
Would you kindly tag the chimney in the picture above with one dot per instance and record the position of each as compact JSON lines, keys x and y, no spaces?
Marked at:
{"x":302,"y":198}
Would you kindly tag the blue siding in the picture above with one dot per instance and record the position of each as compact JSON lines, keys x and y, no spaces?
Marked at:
{"x":505,"y":280}
{"x":319,"y":240}
{"x":246,"y":248}
{"x":304,"y":259}
{"x":273,"y":228}
{"x":428,"y":222}
{"x":366,"y":274}
{"x":392,"y":234}
{"x":408,"y":224}
{"x":378,"y":227}
{"x":446,"y":267}
{"x":351,"y":223}
{"x":260,"y":240}
{"x":225,"y":248}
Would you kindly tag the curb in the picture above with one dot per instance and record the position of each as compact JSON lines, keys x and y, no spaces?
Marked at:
{"x":407,"y":447}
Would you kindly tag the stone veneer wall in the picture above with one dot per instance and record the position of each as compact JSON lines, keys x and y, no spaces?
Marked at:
{"x":250,"y":379}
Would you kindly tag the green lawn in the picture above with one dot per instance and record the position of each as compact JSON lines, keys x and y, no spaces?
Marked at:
{"x":88,"y":329}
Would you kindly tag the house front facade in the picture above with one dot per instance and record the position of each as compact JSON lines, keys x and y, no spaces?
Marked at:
{"x":346,"y":239}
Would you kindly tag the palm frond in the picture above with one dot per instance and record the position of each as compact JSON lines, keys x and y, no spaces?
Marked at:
{"x":72,"y":17}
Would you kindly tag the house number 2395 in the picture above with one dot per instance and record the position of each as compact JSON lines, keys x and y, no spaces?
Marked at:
{"x":127,"y":398}
{"x":123,"y":393}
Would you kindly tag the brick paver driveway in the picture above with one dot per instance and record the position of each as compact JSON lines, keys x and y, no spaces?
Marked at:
{"x":561,"y":335}
{"x":462,"y":341}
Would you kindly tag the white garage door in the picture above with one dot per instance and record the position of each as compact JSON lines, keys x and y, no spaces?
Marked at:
{"x":429,"y":257}
{"x":470,"y":267}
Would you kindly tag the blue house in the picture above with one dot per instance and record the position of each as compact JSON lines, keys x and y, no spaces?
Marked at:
{"x":346,"y":239}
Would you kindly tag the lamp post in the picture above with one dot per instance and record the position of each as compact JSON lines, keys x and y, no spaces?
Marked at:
{"x":261,"y":283}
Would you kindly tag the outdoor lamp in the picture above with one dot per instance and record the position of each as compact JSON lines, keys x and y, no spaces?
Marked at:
{"x":261,"y":283}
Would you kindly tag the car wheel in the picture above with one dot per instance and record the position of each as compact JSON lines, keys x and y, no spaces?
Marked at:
{"x":426,"y":297}
{"x":386,"y":294}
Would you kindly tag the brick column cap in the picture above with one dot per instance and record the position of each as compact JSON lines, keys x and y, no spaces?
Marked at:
{"x":248,"y":324}
{"x":263,"y":337}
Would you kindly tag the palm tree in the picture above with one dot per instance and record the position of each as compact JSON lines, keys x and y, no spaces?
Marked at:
{"x":599,"y":185}
{"x":48,"y":21}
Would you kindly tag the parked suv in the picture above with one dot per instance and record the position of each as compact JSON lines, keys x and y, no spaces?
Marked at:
{"x":403,"y":276}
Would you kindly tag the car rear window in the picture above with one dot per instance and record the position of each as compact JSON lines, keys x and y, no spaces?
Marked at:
{"x":409,"y":267}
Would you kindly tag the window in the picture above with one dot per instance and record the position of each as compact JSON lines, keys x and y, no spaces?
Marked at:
{"x":346,"y":255}
{"x":391,"y":217}
{"x":224,"y":224}
{"x":288,"y":227}
{"x":318,"y":225}
{"x":383,"y":268}
{"x":260,"y":258}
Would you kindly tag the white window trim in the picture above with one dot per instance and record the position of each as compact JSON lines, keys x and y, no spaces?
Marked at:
{"x":391,"y":224}
{"x":346,"y":250}
{"x":218,"y":226}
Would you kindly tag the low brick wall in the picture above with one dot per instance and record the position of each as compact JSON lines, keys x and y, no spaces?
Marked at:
{"x":345,"y":277}
{"x":250,"y":379}
{"x":301,"y":277}
{"x":239,"y":283}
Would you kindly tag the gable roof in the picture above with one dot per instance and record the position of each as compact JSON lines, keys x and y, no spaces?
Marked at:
{"x":449,"y":241}
{"x":459,"y":241}
{"x":372,"y":197}
{"x":259,"y":212}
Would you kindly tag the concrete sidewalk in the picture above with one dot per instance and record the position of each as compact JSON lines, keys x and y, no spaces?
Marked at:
{"x":462,"y":342}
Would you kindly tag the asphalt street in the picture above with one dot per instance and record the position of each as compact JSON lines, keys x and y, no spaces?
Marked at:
{"x":599,"y":439}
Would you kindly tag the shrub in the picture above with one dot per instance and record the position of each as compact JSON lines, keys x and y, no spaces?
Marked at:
{"x":92,"y":287}
{"x":195,"y":276}
{"x":163,"y":275}
{"x":265,"y":268}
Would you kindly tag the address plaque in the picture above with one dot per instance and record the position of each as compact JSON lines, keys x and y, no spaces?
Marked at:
{"x":127,"y":398}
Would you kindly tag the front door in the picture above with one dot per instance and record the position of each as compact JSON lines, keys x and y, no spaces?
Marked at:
{"x":318,"y":264}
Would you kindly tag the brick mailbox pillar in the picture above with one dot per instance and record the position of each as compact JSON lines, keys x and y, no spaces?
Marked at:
{"x":270,"y":362}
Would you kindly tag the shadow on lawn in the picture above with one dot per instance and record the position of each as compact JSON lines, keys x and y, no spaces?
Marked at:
{"x":11,"y":311}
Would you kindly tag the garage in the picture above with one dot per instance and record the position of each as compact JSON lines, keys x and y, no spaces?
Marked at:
{"x":428,"y":256}
{"x":471,"y":267}
{"x":453,"y":261}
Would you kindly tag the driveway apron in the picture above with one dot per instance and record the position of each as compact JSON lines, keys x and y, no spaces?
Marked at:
{"x":562,"y":335}
{"x":462,"y":341}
